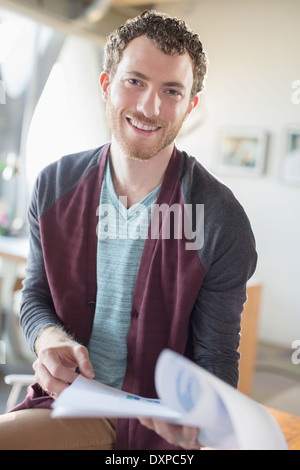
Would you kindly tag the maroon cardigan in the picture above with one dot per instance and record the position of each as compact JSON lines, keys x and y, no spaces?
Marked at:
{"x":172,"y":306}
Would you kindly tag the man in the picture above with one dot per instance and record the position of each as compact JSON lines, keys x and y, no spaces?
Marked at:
{"x":106,"y":306}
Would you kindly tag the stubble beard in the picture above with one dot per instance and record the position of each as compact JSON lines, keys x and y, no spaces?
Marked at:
{"x":139,"y":151}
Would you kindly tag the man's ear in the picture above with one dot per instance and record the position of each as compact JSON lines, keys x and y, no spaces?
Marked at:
{"x":192,"y":106}
{"x":104,"y":83}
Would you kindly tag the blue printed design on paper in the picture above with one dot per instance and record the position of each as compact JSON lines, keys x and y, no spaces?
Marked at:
{"x":188,"y":390}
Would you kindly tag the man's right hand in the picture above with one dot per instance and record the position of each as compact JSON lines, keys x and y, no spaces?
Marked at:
{"x":58,"y":358}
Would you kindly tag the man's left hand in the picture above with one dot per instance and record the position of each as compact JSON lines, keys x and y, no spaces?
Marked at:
{"x":183,"y":436}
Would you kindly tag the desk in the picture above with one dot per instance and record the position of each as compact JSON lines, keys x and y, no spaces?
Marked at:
{"x":290,"y":427}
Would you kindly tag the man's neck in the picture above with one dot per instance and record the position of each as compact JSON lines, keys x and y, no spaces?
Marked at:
{"x":134,"y":178}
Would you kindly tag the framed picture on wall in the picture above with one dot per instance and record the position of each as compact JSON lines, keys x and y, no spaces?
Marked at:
{"x":290,"y":169}
{"x":242,"y":151}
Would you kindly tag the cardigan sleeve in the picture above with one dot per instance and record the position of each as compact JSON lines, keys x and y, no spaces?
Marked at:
{"x":36,"y":310}
{"x":230,"y":260}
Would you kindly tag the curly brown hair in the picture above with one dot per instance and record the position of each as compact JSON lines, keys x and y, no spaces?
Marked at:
{"x":171,"y":35}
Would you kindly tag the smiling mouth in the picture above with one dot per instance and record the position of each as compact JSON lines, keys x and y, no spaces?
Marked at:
{"x":141,"y":126}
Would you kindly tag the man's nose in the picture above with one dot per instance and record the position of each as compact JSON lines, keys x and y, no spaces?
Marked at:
{"x":149,"y":104}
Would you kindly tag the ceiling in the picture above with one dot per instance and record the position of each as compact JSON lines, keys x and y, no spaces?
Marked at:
{"x":92,"y":19}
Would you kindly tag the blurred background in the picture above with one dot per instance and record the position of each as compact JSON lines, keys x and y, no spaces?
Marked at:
{"x":246,"y":131}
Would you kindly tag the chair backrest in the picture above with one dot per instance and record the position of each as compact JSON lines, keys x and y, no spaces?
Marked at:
{"x":248,"y":344}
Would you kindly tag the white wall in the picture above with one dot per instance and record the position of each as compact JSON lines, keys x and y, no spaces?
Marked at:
{"x":254,"y":53}
{"x":70,"y":115}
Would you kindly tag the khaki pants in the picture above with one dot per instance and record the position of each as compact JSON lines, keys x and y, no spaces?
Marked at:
{"x":34,"y":429}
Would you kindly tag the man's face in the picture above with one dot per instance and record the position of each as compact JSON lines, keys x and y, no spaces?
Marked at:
{"x":148,"y":99}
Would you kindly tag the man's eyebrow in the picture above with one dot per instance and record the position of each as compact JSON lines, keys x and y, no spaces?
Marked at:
{"x":144,"y":77}
{"x":175,"y":84}
{"x":137,"y":74}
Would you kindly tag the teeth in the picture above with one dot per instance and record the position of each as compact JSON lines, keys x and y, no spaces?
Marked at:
{"x":143,"y":126}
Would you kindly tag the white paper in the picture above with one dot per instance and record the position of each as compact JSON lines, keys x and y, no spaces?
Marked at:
{"x":190,"y":395}
{"x":227,"y":418}
{"x":88,"y":398}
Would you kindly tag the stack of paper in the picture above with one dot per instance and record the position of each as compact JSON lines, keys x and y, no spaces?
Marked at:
{"x":189,"y":395}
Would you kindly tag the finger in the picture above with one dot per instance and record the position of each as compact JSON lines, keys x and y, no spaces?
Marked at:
{"x":189,"y":438}
{"x":168,"y":431}
{"x":53,"y":362}
{"x":183,"y":436}
{"x":47,"y":382}
{"x":164,"y":429}
{"x":83,"y":361}
{"x":147,"y":422}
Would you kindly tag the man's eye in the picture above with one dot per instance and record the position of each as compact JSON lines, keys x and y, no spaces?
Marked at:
{"x":173,"y":92}
{"x":134,"y":81}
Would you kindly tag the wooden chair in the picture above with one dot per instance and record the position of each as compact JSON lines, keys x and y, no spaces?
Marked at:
{"x":248,"y":344}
